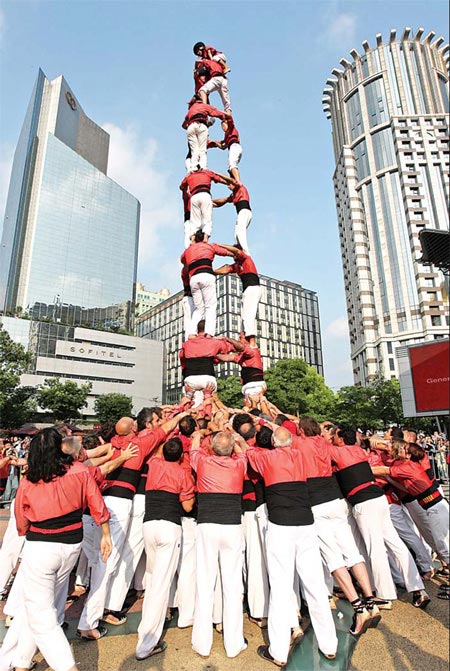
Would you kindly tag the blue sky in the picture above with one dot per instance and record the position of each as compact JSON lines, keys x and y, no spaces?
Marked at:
{"x":130,"y":66}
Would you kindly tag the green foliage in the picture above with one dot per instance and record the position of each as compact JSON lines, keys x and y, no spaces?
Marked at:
{"x":111,"y":407}
{"x":375,"y":406}
{"x":64,"y":399}
{"x":230,"y":391}
{"x":20,"y":407}
{"x":296,"y":388}
{"x":14,"y":361}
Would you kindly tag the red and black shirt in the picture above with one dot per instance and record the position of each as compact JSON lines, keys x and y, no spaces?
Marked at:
{"x":354,"y":474}
{"x":251,"y":364}
{"x":199,"y":257}
{"x":322,"y":483}
{"x":244,"y":266}
{"x":240,"y":198}
{"x":417,"y":482}
{"x":200,"y":181}
{"x":197,"y":355}
{"x":168,"y":484}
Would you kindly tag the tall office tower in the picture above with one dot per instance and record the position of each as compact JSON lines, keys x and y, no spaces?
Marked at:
{"x":70,"y":235}
{"x":288,"y":326}
{"x":388,"y":109}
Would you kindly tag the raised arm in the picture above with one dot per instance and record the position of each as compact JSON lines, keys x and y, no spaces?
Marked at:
{"x":238,"y":346}
{"x":219,"y":202}
{"x":234,"y":251}
{"x":223,"y":270}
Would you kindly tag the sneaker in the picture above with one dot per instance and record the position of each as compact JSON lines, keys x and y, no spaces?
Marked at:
{"x":420,"y":599}
{"x":360,"y":622}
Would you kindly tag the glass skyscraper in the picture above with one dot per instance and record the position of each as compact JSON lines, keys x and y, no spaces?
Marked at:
{"x":389,"y":113}
{"x":70,"y":235}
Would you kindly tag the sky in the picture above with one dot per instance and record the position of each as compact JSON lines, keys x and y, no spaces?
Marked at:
{"x":130,"y":66}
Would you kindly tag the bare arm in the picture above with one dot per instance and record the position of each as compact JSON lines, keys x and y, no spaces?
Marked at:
{"x":223,"y":270}
{"x":233,"y":250}
{"x":99,"y":451}
{"x":218,"y":202}
{"x":188,"y":505}
{"x":380,"y":470}
{"x":238,"y":346}
{"x":110,"y":466}
{"x":225,"y":357}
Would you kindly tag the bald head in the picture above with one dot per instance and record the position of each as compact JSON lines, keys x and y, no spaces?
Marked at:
{"x":125,"y":426}
{"x":282,"y":437}
{"x":223,"y":444}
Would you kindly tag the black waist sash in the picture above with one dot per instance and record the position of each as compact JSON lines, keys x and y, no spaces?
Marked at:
{"x":249,"y":280}
{"x":200,"y":266}
{"x":199,"y":118}
{"x":125,"y":475}
{"x":288,"y":504}
{"x":201,"y":188}
{"x":251,"y":374}
{"x":219,"y":508}
{"x":323,"y":490}
{"x":242,"y":205}
{"x":63,"y":529}
{"x":162,"y":505}
{"x":429,"y":497}
{"x":200,"y":365}
{"x":260,"y":492}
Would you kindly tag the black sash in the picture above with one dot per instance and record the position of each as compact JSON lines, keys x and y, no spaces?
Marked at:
{"x":200,"y":365}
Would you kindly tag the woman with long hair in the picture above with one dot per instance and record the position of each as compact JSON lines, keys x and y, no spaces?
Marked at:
{"x":49,"y":506}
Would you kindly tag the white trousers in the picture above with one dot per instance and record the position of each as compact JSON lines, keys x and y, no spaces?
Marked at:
{"x":203,"y":288}
{"x":45,"y":571}
{"x":336,"y":542}
{"x":219,"y":84}
{"x":407,"y":532}
{"x":184,"y":598}
{"x":420,"y":518}
{"x":197,"y":136}
{"x":133,"y":548}
{"x":219,"y":545}
{"x":438,"y":520}
{"x":162,"y":546}
{"x":374,"y":522}
{"x":11,"y":548}
{"x":249,"y":309}
{"x":83,"y":576}
{"x":254,"y":388}
{"x":103,"y":572}
{"x":201,"y":212}
{"x":189,"y":231}
{"x":139,"y":574}
{"x":234,"y":155}
{"x":198,"y":383}
{"x":243,"y":220}
{"x":291,"y":549}
{"x":188,"y":310}
{"x":257,"y":577}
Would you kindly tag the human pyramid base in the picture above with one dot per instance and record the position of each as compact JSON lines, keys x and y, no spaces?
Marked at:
{"x":203,"y":508}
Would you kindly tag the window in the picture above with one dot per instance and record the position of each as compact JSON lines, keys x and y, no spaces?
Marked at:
{"x":377,"y":108}
{"x":435,"y":320}
{"x":361,"y":160}
{"x":354,"y":116}
{"x":383,"y":149}
{"x":391,"y":364}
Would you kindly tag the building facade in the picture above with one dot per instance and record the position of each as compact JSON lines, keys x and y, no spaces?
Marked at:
{"x":70,"y":235}
{"x":112,"y":362}
{"x":148,"y":299}
{"x":389,"y":113}
{"x":288,"y":326}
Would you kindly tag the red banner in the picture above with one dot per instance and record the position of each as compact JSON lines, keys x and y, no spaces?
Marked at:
{"x":430,"y":375}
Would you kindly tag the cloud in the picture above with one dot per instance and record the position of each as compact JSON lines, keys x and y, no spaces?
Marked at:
{"x":134,"y":164}
{"x":337,"y":329}
{"x":339,"y":29}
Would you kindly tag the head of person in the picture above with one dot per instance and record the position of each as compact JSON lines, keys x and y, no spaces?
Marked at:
{"x":344,"y":435}
{"x":416,"y":452}
{"x":326,"y":430}
{"x":308,"y":427}
{"x":396,"y":433}
{"x":279,"y":419}
{"x":264,"y":437}
{"x":126,"y":426}
{"x":255,"y":412}
{"x":172,"y":449}
{"x":63,"y":428}
{"x":365,"y":444}
{"x":243,"y":425}
{"x":199,"y":49}
{"x":201,"y":327}
{"x":148,"y":418}
{"x":187,"y":425}
{"x":72,"y":445}
{"x":399,"y":449}
{"x":46,"y":460}
{"x":199,"y":236}
{"x":90,"y":441}
{"x":108,"y":430}
{"x":282,"y":437}
{"x":202,"y":423}
{"x":409,"y":435}
{"x":223,"y":444}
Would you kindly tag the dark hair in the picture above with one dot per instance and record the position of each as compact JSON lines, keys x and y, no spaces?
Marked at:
{"x":255,"y":412}
{"x":197,"y":46}
{"x":202,"y":423}
{"x":199,"y":235}
{"x":279,"y":419}
{"x":108,"y":430}
{"x":309,"y":426}
{"x":90,"y":441}
{"x":144,"y":415}
{"x":264,"y":437}
{"x":396,"y":433}
{"x":365,"y":444}
{"x":45,"y":458}
{"x":347,"y":434}
{"x":247,"y":433}
{"x":62,"y":428}
{"x":187,"y":425}
{"x":201,"y":326}
{"x":240,"y":419}
{"x":416,"y":452}
{"x":173,"y":449}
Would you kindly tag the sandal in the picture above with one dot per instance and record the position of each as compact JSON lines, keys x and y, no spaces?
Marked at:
{"x":260,"y":622}
{"x":159,"y":647}
{"x":445,"y":596}
{"x":443,"y":572}
{"x":263,"y":652}
{"x":102,"y":631}
{"x":113,"y":617}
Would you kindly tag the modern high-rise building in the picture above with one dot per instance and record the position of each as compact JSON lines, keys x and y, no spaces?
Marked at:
{"x":148,"y":299}
{"x":70,"y":234}
{"x":389,"y":113}
{"x":288,"y":326}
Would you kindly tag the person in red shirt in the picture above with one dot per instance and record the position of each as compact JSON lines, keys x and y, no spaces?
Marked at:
{"x":244,"y":266}
{"x":168,"y":486}
{"x":198,"y":186}
{"x":188,"y":232}
{"x":48,"y":509}
{"x":292,"y":545}
{"x":249,"y":358}
{"x":231,"y":141}
{"x":217,"y":82}
{"x":241,"y":200}
{"x":220,"y":479}
{"x":198,"y":259}
{"x":188,"y":302}
{"x":196,"y":125}
{"x":203,"y":51}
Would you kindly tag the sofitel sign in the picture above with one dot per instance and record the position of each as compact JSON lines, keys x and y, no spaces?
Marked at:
{"x":94,"y":352}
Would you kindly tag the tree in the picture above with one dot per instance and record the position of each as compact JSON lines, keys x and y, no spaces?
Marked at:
{"x":14,"y":361}
{"x":20,"y":407}
{"x":387,"y":400}
{"x":64,"y":399}
{"x":111,"y":407}
{"x":354,"y":406}
{"x":296,"y":388}
{"x":230,"y":391}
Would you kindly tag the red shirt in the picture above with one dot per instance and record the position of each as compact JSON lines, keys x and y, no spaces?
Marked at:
{"x":218,"y":475}
{"x":411,"y":475}
{"x":170,"y":476}
{"x":200,"y":180}
{"x":231,"y":136}
{"x":198,"y":257}
{"x":282,"y":464}
{"x":244,"y":264}
{"x":215,"y":68}
{"x":239,"y":193}
{"x":322,"y":484}
{"x":186,"y":442}
{"x":65,"y":497}
{"x":249,"y":358}
{"x":354,"y":474}
{"x":200,"y":112}
{"x":203,"y":350}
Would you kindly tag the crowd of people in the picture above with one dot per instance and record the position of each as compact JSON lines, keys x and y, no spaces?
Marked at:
{"x":204,"y":508}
